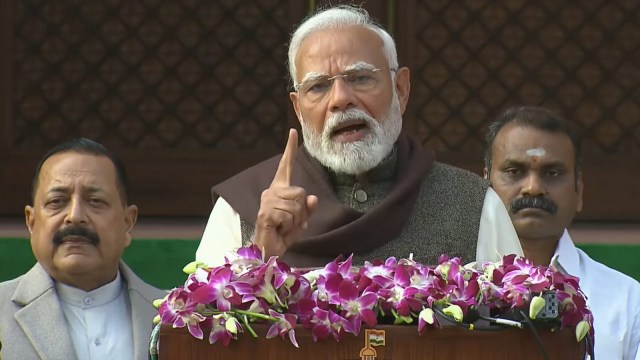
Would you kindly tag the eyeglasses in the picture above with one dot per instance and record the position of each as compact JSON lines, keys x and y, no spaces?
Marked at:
{"x":317,"y":88}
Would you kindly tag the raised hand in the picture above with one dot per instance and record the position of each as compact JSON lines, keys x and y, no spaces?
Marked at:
{"x":284,"y":209}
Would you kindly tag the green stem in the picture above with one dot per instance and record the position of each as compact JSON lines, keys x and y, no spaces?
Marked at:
{"x":241,"y":312}
{"x":245,"y":320}
{"x":255,"y":315}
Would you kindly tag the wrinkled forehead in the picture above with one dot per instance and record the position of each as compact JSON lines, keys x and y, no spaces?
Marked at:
{"x":333,"y":51}
{"x":71,"y":169}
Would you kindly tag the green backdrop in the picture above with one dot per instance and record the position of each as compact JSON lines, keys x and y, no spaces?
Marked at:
{"x":160,"y":261}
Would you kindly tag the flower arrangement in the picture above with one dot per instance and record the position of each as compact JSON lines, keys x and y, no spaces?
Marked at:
{"x":338,"y":299}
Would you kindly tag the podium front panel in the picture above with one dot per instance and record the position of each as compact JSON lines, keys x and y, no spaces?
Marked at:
{"x":394,"y":342}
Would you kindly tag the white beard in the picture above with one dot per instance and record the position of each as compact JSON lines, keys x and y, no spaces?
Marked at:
{"x":358,"y":157}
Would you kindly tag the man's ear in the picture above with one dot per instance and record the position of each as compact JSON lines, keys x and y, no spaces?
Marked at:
{"x":296,"y":106}
{"x":403,"y":87}
{"x":485,"y":173}
{"x":130,"y":218}
{"x":579,"y":189}
{"x":29,"y":217}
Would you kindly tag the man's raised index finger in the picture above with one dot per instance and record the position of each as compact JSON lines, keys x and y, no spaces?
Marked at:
{"x":285,"y":168}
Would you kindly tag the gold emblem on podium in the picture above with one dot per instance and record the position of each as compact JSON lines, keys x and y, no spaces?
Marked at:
{"x":372,"y":338}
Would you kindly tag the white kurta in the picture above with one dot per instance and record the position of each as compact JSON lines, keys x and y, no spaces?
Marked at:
{"x":614,"y":300}
{"x":99,"y":320}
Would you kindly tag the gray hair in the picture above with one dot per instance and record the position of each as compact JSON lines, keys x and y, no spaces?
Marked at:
{"x":335,"y":18}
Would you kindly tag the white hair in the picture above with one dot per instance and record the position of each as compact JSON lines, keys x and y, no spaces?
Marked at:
{"x":335,"y":18}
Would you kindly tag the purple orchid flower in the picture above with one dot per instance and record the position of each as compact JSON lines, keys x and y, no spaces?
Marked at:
{"x":244,"y":259}
{"x":225,"y":327}
{"x":221,"y":290}
{"x":338,"y":298}
{"x":327,"y":323}
{"x":285,"y":324}
{"x":179,"y":310}
{"x":355,"y":307}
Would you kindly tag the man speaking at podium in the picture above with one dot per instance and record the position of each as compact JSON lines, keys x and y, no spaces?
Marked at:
{"x":359,"y":184}
{"x":533,"y":163}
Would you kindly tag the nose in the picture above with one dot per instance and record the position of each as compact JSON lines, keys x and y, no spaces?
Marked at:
{"x":533,"y":186}
{"x":340,"y":95}
{"x":76,"y":212}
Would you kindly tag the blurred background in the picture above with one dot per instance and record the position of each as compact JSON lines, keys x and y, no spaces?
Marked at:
{"x":189,"y":92}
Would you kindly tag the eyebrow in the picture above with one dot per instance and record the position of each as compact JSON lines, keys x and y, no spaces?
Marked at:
{"x":315,"y":75}
{"x":545,"y":165}
{"x":360,"y":65}
{"x":511,"y":162}
{"x":65,"y":189}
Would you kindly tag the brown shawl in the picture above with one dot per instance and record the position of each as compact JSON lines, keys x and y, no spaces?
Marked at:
{"x":335,"y":228}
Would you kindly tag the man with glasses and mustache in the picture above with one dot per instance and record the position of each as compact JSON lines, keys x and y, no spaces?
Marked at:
{"x":79,"y":301}
{"x":532,"y":160}
{"x":359,"y":184}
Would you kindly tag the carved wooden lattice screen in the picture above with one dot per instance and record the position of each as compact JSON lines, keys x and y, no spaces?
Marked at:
{"x":471,"y":59}
{"x":189,"y":92}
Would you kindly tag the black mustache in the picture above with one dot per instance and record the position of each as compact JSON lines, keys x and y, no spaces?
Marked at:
{"x":75,"y":231}
{"x":537,"y":202}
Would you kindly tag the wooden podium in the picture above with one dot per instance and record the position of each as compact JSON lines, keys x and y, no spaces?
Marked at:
{"x":400,"y":342}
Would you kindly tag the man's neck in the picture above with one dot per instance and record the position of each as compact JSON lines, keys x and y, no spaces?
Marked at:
{"x":540,"y":250}
{"x":89,"y":283}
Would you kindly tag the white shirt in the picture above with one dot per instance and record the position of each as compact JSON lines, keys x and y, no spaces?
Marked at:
{"x":496,"y":235}
{"x":99,"y":320}
{"x":614,"y":300}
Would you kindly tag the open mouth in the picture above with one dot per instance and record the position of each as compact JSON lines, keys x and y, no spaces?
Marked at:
{"x":351,"y":130}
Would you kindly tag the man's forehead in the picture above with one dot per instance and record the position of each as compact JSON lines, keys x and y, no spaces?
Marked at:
{"x":531,"y":140}
{"x":65,"y":168}
{"x":524,"y":143}
{"x":536,"y":152}
{"x":333,"y":49}
{"x":537,"y":156}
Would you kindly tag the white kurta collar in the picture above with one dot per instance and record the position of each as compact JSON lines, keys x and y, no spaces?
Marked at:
{"x":88,"y":299}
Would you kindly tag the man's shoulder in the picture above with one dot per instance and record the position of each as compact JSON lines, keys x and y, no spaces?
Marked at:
{"x":8,"y":287}
{"x":610,"y":278}
{"x":137,"y":284}
{"x":34,"y":280}
{"x":455,"y":176}
{"x":8,"y":291}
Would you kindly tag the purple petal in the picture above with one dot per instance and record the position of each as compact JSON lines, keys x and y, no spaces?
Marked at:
{"x":194,"y":329}
{"x":204,"y":294}
{"x":368,"y":300}
{"x":292,"y":337}
{"x":348,"y":291}
{"x":369,"y":317}
{"x":274,"y":330}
